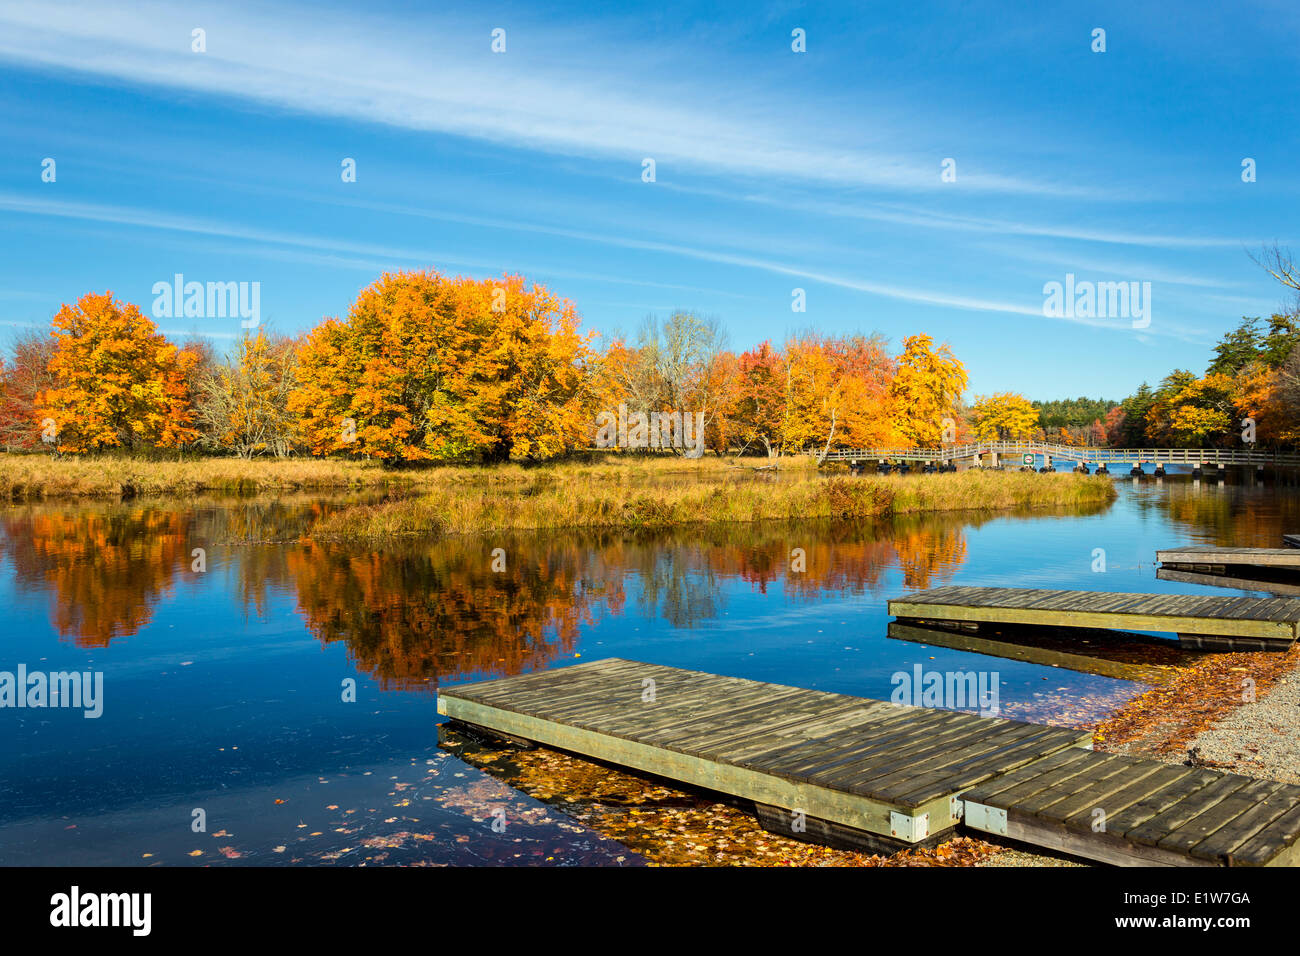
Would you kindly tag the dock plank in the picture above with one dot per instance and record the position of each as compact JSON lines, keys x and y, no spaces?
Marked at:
{"x":1288,"y":558}
{"x":884,"y":776}
{"x":1150,"y":812}
{"x":1203,"y":620}
{"x":761,"y":741}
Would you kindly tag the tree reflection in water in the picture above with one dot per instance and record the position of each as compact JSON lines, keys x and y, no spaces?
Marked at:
{"x":419,"y":612}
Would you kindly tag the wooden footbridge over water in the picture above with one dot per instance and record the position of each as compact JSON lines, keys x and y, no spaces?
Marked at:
{"x":995,"y":453}
{"x":879,"y":776}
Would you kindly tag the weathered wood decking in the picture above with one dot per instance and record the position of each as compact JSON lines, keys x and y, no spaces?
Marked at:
{"x":1199,"y":558}
{"x":880,"y":776}
{"x":1212,"y":622}
{"x":1131,"y":811}
{"x":867,"y":772}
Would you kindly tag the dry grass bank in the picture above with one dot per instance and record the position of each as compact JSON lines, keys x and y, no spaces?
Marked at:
{"x":594,"y":501}
{"x":33,"y":477}
{"x":607,"y":491}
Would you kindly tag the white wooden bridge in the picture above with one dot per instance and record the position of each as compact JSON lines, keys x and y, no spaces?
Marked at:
{"x":1009,"y":452}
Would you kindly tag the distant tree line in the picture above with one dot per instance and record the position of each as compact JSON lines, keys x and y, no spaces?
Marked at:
{"x":426,"y":367}
{"x":1250,"y":391}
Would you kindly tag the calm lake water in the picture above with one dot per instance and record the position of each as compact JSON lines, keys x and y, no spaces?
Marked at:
{"x":224,"y":688}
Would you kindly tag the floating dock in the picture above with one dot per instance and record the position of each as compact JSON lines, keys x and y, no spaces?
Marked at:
{"x":875,"y":776}
{"x":1218,"y":560}
{"x":1134,"y":812}
{"x":860,"y":772}
{"x":1203,"y":623}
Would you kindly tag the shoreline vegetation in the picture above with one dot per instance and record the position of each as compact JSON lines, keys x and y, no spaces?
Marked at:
{"x":593,"y":502}
{"x":429,"y":368}
{"x":608,"y":491}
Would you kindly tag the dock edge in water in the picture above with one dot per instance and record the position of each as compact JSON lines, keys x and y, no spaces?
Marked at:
{"x":880,"y":777}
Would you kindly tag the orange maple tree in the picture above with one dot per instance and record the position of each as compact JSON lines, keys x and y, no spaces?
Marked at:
{"x":427,"y":367}
{"x":118,"y":382}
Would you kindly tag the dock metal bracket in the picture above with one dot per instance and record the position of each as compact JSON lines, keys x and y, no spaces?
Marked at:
{"x":956,"y":808}
{"x":907,"y":827}
{"x":442,"y":706}
{"x":988,"y":819}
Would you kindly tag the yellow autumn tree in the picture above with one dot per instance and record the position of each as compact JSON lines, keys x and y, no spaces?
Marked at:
{"x":1202,"y":412}
{"x":926,"y":391}
{"x":1003,"y":416}
{"x":427,"y":367}
{"x":118,"y":382}
{"x":539,"y":361}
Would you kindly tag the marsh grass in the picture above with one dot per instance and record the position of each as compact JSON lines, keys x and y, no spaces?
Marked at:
{"x":26,"y":477}
{"x":585,"y":501}
{"x":33,"y":477}
{"x":610,"y":491}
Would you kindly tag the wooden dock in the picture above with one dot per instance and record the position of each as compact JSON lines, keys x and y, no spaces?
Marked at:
{"x":1207,"y":623}
{"x":864,"y":773}
{"x":1134,"y":812}
{"x":1218,"y":560}
{"x":877,"y":776}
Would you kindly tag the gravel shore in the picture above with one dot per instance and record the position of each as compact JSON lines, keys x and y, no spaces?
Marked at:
{"x":1260,"y":738}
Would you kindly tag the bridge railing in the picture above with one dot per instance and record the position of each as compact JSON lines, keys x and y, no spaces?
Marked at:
{"x":1089,"y":455}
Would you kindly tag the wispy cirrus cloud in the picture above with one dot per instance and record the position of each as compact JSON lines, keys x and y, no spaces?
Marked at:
{"x":911,"y":215}
{"x":165,"y":221}
{"x":556,"y":91}
{"x":366,"y":257}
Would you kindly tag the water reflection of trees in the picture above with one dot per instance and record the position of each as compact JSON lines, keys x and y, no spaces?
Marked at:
{"x":438,"y":611}
{"x":416,"y":613}
{"x":106,"y":565}
{"x":104,"y":570}
{"x":1230,"y":515}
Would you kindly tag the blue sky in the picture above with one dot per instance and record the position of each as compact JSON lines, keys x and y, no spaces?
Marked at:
{"x":774,"y":169}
